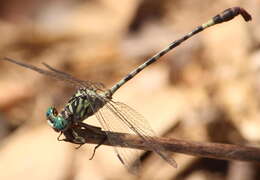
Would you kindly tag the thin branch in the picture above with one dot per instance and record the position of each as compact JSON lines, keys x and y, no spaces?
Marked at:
{"x":209,"y":150}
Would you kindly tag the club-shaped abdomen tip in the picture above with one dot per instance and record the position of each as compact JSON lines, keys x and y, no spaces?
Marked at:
{"x":238,"y":10}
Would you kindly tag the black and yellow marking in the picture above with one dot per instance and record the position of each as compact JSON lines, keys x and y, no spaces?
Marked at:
{"x":89,"y":98}
{"x":82,"y":104}
{"x":226,"y":15}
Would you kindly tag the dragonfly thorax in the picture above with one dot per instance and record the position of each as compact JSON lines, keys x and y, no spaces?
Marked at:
{"x":55,"y":120}
{"x":82,"y":104}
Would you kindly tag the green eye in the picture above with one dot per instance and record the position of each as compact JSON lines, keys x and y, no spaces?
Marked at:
{"x":55,"y":112}
{"x":51,"y":112}
{"x":58,"y":123}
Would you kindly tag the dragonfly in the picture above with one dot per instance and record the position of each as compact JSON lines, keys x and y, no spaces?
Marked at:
{"x":93,"y":98}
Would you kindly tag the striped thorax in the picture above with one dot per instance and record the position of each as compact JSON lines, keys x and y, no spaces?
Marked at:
{"x":82,"y":104}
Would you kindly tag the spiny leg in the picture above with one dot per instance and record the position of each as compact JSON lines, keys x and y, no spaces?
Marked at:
{"x":97,"y":146}
{"x":79,"y":146}
{"x":226,"y":15}
{"x":58,"y":138}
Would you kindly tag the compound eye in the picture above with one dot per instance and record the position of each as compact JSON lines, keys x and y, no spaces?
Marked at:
{"x":51,"y":113}
{"x":55,"y":112}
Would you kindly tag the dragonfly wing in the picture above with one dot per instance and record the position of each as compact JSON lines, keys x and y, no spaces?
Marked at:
{"x":111,"y":122}
{"x":68,"y":77}
{"x":137,"y":124}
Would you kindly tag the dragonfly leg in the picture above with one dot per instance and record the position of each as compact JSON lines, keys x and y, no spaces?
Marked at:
{"x":58,"y":138}
{"x":99,"y":144}
{"x":79,"y":146}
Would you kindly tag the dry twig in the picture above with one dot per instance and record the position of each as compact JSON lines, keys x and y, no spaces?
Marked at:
{"x":205,"y":149}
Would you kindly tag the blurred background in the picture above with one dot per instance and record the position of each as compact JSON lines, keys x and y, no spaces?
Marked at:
{"x":206,"y":90}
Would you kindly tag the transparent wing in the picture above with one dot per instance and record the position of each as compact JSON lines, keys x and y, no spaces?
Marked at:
{"x":112,"y":123}
{"x":68,"y":77}
{"x":58,"y":75}
{"x":123,"y":118}
{"x":137,"y":123}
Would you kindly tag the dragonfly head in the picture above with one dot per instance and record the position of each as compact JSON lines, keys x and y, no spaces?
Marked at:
{"x":55,"y":120}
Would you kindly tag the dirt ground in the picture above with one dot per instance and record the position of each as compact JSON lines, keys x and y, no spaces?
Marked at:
{"x":206,"y":90}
